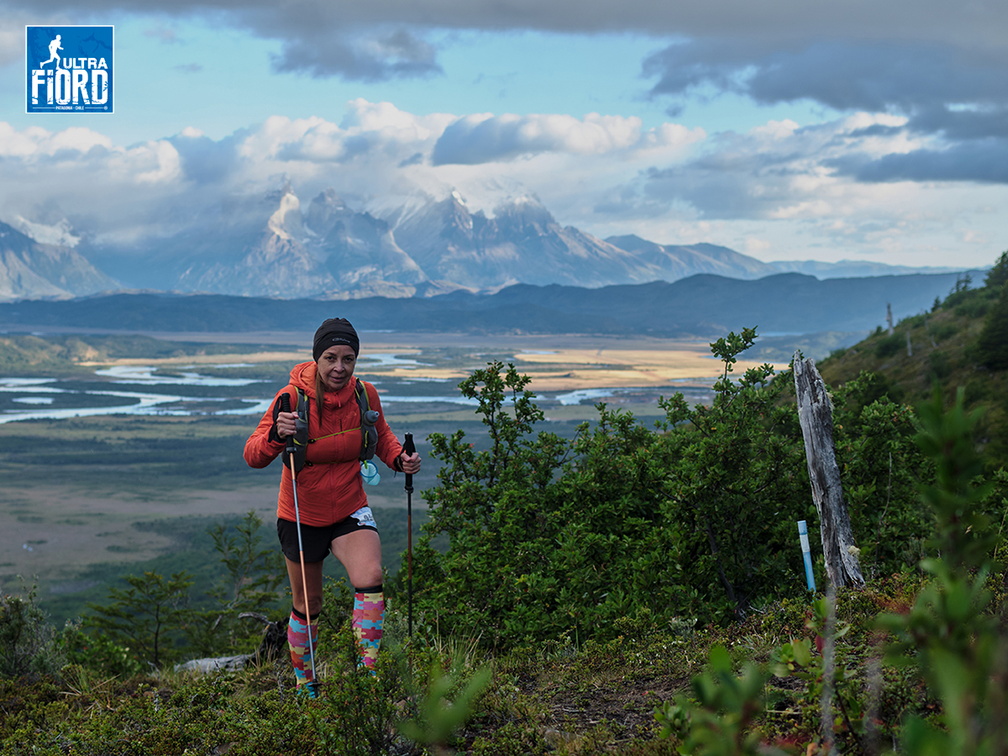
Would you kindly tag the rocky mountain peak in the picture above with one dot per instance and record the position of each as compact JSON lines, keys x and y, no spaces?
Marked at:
{"x":275,"y":245}
{"x":286,"y":222}
{"x":33,"y":270}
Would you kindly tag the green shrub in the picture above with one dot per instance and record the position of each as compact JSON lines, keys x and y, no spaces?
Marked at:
{"x":553,"y":538}
{"x":944,"y":331}
{"x":532,"y":518}
{"x":98,"y":652}
{"x":880,"y":466}
{"x":28,"y":643}
{"x":939,"y":686}
{"x":148,"y":616}
{"x":890,"y":345}
{"x":940,"y":366}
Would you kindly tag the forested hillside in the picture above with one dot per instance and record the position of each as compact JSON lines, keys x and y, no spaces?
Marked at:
{"x":636,"y":588}
{"x":961,"y":343}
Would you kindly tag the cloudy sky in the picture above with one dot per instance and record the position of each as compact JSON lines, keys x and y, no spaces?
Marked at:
{"x":785,"y":129}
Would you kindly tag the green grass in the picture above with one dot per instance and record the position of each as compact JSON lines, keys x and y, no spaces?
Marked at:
{"x":560,"y":698}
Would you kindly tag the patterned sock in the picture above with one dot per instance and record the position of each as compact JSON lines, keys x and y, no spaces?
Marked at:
{"x":368,"y":617}
{"x":297,"y":641}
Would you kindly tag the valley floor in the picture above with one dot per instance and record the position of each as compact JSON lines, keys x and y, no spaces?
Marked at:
{"x":77,"y":493}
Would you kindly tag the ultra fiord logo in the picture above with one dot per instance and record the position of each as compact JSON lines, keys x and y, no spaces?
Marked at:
{"x":69,"y":69}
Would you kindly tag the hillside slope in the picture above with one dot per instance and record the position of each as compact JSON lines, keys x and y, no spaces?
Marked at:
{"x":948,"y":348}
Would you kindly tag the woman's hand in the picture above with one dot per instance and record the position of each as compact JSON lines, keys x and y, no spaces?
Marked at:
{"x":286,"y":424}
{"x":410,"y":463}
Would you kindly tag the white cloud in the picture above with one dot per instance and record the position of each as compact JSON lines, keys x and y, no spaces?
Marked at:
{"x":276,"y":134}
{"x":775,"y":130}
{"x":76,"y":139}
{"x":779,"y":189}
{"x":35,"y":141}
{"x":151,"y":163}
{"x":669,"y":136}
{"x":778,"y":170}
{"x":80,"y":177}
{"x":14,"y":143}
{"x":486,"y":138}
{"x":911,"y":147}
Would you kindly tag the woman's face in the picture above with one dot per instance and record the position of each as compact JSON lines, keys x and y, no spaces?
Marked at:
{"x":336,"y":366}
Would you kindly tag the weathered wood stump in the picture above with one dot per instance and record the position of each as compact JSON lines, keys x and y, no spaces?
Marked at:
{"x":815,"y":413}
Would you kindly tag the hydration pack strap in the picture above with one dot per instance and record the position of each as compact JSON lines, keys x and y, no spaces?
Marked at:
{"x":369,"y":433}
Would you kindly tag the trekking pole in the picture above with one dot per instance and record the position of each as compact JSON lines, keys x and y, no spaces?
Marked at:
{"x":291,"y":449}
{"x":409,"y":448}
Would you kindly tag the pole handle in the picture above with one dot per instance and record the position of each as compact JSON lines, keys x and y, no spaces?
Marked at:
{"x":285,"y":407}
{"x":408,"y":447}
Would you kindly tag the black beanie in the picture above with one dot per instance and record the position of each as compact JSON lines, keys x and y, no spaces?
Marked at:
{"x":335,"y":331}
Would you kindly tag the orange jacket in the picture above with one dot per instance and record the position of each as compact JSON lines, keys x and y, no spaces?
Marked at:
{"x":329,"y":486}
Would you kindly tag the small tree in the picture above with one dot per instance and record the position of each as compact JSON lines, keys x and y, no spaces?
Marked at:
{"x":147,"y":616}
{"x":547,"y":537}
{"x":881,"y":465}
{"x":992,"y":344}
{"x":997,"y":276}
{"x":735,"y":482}
{"x":480,"y":494}
{"x":250,"y":582}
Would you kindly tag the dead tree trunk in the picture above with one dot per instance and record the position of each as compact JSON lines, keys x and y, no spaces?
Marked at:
{"x":815,"y":413}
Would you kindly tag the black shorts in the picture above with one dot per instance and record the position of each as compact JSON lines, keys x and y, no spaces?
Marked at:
{"x":317,"y":541}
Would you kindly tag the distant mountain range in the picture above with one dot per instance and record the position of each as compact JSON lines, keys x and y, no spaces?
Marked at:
{"x":277,"y":247}
{"x":702,"y":306}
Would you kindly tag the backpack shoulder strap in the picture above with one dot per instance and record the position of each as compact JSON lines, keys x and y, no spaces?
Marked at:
{"x":369,"y":434}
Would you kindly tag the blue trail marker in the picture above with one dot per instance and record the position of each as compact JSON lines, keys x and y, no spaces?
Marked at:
{"x":806,"y":554}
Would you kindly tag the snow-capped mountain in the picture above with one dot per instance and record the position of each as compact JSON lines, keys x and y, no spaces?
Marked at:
{"x":521,"y":243}
{"x":275,"y":261}
{"x":361,"y":253}
{"x":278,"y":246}
{"x":326,"y":250}
{"x":34,"y":270}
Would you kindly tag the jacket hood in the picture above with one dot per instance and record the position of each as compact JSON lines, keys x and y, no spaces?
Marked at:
{"x":303,"y":376}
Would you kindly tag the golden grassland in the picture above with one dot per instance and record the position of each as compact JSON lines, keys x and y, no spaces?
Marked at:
{"x":554,"y":363}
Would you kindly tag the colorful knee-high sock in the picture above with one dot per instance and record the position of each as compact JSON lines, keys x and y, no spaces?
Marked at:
{"x":298,"y":628}
{"x":368,"y":618}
